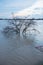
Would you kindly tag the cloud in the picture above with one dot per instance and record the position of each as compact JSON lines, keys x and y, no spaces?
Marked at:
{"x":38,"y":5}
{"x":20,"y":7}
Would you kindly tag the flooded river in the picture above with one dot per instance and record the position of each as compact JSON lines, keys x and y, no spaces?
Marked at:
{"x":17,"y":50}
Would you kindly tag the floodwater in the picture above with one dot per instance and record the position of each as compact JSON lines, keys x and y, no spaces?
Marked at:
{"x":17,"y":50}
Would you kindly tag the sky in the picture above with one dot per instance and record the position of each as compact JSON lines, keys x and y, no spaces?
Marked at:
{"x":7,"y":7}
{"x":35,"y":9}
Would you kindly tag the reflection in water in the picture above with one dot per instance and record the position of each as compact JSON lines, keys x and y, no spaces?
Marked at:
{"x":24,"y":29}
{"x":31,"y":32}
{"x":10,"y":31}
{"x":17,"y":50}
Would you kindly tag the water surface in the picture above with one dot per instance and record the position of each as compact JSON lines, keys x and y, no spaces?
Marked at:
{"x":17,"y":50}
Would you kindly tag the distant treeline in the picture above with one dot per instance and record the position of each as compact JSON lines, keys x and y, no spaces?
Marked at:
{"x":21,"y":19}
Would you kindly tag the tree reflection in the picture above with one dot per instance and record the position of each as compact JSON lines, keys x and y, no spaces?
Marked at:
{"x":15,"y":26}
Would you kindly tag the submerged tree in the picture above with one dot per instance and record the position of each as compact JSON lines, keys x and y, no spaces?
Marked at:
{"x":16,"y":25}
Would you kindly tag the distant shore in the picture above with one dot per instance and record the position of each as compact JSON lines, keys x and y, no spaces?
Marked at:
{"x":20,"y":19}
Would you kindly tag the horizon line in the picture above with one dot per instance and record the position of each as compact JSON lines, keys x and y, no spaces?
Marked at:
{"x":21,"y":19}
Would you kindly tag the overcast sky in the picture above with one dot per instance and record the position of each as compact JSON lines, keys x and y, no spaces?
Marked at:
{"x":9,"y":6}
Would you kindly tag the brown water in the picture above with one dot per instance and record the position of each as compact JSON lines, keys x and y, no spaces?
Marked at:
{"x":15,"y":50}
